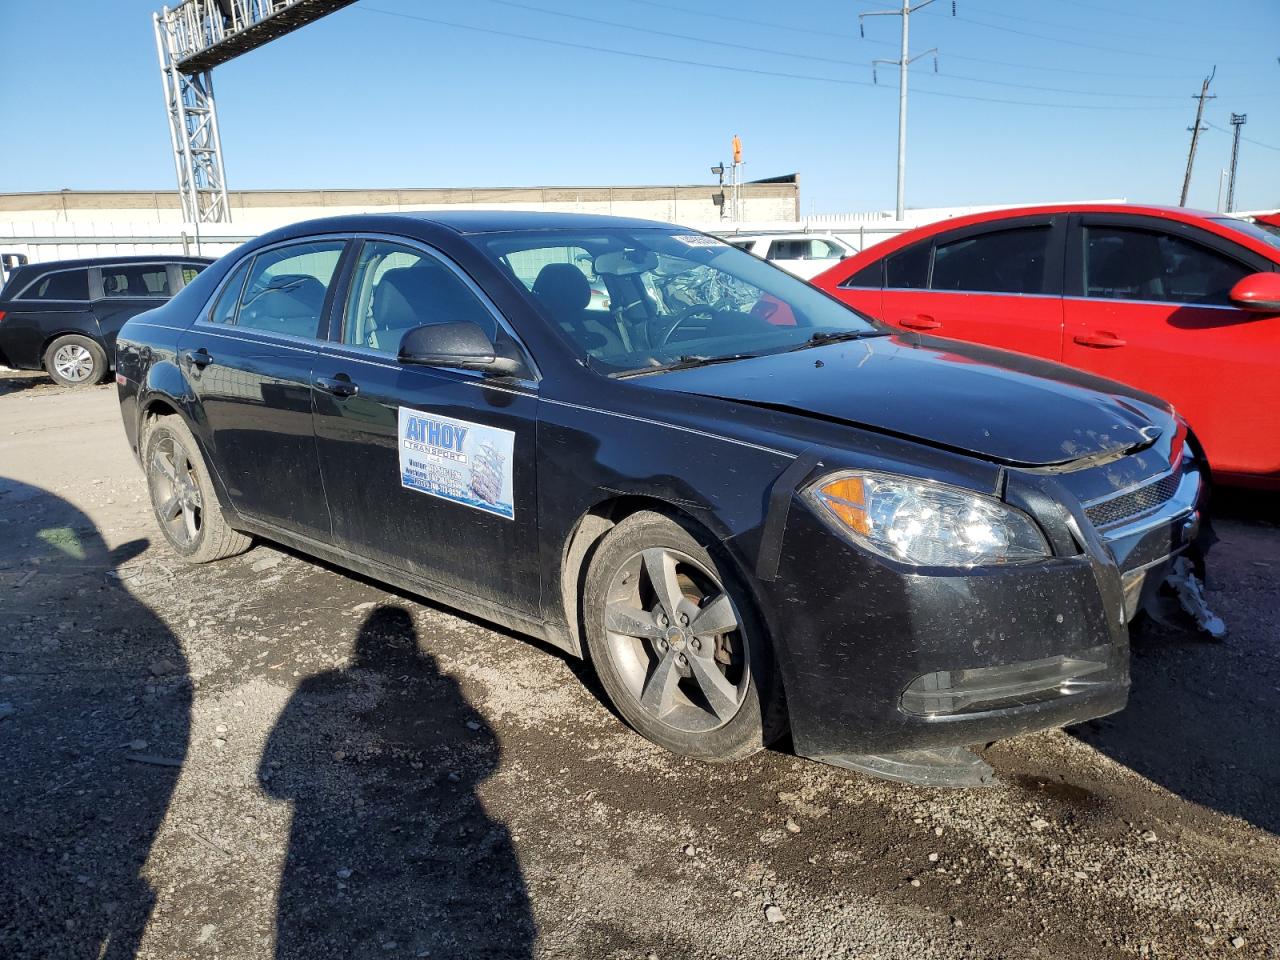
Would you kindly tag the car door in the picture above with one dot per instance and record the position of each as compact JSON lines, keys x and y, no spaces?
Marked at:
{"x":996,"y":283}
{"x":124,"y":290}
{"x":1147,"y":305}
{"x":49,"y":304}
{"x":430,"y":471}
{"x":249,"y":361}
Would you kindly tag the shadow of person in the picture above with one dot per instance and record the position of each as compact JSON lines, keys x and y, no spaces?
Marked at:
{"x":391,"y":852}
{"x":95,"y":713}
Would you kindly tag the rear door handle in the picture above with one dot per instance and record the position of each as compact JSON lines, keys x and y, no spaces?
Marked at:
{"x":339,"y":386}
{"x":921,"y":322}
{"x":197,"y":358}
{"x":1102,"y":340}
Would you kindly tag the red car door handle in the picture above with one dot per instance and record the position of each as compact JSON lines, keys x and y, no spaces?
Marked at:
{"x":1102,"y":340}
{"x":921,"y":322}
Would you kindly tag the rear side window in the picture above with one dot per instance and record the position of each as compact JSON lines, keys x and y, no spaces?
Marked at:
{"x":871,"y":276}
{"x":908,"y":269}
{"x":1005,"y":261}
{"x":189,"y":271}
{"x":224,"y":308}
{"x":807,"y":249}
{"x":1121,"y":263}
{"x":59,"y":285}
{"x":147,"y":280}
{"x":287,"y":287}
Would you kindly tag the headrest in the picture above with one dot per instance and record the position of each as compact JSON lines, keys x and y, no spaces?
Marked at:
{"x":563,"y":288}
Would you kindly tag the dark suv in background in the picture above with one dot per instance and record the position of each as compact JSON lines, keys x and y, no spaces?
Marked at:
{"x":64,"y":316}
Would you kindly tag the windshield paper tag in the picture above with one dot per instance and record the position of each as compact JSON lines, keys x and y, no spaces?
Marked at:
{"x":467,"y":463}
{"x":696,"y":240}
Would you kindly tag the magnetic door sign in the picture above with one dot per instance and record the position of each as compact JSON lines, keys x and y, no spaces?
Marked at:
{"x":468,"y":463}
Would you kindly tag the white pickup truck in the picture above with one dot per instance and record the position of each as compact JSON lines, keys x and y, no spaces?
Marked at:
{"x":804,"y":254}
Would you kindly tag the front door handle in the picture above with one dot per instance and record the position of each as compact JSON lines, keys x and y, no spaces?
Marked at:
{"x":339,"y":386}
{"x":197,"y":358}
{"x":921,"y":322}
{"x":1101,"y":340}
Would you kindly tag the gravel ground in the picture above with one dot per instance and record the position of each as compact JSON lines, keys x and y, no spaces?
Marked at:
{"x":268,"y":756}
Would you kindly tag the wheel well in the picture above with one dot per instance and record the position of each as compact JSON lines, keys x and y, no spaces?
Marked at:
{"x":581,"y":546}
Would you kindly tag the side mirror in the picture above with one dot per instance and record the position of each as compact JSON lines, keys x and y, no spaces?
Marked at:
{"x":460,"y":344}
{"x":1258,"y":292}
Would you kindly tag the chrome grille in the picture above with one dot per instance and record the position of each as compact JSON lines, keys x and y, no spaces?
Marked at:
{"x":1138,"y":501}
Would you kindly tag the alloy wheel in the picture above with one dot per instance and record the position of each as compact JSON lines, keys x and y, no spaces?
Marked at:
{"x":175,"y":491}
{"x":73,"y":362}
{"x":676,"y":640}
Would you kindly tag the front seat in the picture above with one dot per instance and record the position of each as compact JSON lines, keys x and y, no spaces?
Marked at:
{"x":565,"y":292}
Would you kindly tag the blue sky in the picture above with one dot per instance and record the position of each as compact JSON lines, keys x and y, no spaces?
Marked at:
{"x":373,"y":98}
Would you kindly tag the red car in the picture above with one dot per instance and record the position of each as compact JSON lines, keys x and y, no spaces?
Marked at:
{"x":1182,"y":304}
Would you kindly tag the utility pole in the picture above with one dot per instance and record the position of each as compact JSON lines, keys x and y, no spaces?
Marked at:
{"x":1238,"y":120}
{"x":1195,"y":134}
{"x":903,"y":62}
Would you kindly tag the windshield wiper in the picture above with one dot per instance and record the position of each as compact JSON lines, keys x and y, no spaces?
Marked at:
{"x":686,"y":362}
{"x":823,"y":337}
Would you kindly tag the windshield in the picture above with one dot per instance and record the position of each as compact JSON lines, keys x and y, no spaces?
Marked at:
{"x":1255,"y":230}
{"x":636,"y":301}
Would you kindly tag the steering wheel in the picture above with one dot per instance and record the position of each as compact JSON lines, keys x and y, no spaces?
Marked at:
{"x":694,"y":310}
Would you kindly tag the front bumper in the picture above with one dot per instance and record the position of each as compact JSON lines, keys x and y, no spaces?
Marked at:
{"x":878,"y":657}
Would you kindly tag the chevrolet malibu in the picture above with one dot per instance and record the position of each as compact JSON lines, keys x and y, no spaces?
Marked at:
{"x":752,"y":509}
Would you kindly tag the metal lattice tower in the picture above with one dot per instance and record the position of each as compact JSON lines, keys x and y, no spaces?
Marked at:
{"x":191,"y":39}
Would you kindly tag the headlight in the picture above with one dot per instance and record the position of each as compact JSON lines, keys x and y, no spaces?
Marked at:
{"x":923,"y":523}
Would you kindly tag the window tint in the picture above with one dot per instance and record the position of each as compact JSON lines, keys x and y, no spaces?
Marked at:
{"x":1007,"y":261}
{"x":60,"y":285}
{"x":146,"y":280}
{"x":396,"y":288}
{"x":909,"y":268}
{"x":871,"y":276}
{"x":287,"y":287}
{"x":1128,"y":264}
{"x":224,"y":309}
{"x":807,"y":249}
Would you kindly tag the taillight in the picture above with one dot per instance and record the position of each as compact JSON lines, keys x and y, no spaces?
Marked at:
{"x":1,"y":314}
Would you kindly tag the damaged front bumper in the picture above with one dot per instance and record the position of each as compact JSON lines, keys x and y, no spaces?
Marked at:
{"x":891,"y":669}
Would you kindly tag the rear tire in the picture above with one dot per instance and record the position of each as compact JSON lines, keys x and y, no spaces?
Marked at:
{"x":75,"y":361}
{"x":182,"y":495}
{"x":711,"y":693}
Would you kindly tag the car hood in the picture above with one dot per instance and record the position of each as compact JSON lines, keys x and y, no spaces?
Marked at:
{"x":1000,"y":406}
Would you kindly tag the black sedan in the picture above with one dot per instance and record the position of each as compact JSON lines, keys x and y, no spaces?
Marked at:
{"x":752,"y":509}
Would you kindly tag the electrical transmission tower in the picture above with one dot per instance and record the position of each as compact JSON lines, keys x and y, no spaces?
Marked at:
{"x":903,"y":62}
{"x":1238,"y":120}
{"x":192,"y":39}
{"x":1196,"y":129}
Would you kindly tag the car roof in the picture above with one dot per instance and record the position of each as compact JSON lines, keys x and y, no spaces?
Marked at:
{"x":468,"y":222}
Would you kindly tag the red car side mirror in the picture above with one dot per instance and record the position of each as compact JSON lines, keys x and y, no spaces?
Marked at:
{"x":1258,"y":292}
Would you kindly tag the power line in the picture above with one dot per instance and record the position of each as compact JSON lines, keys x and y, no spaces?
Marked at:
{"x":1116,"y":10}
{"x":836,"y":35}
{"x":1074,"y":43}
{"x":595,"y":48}
{"x":1256,"y":143}
{"x":804,"y":56}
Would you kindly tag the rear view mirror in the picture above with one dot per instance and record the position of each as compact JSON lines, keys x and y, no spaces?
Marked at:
{"x":1258,"y":292}
{"x":624,"y":262}
{"x":460,"y":344}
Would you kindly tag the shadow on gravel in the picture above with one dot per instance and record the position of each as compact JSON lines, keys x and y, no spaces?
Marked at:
{"x":13,"y":381}
{"x":390,"y":849}
{"x":95,"y":708}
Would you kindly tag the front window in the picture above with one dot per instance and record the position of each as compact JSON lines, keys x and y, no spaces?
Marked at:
{"x":1123,"y":263}
{"x":642,"y":300}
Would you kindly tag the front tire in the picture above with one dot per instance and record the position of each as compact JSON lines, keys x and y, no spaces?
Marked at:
{"x":183,"y":498}
{"x":677,"y":644}
{"x":75,"y":361}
